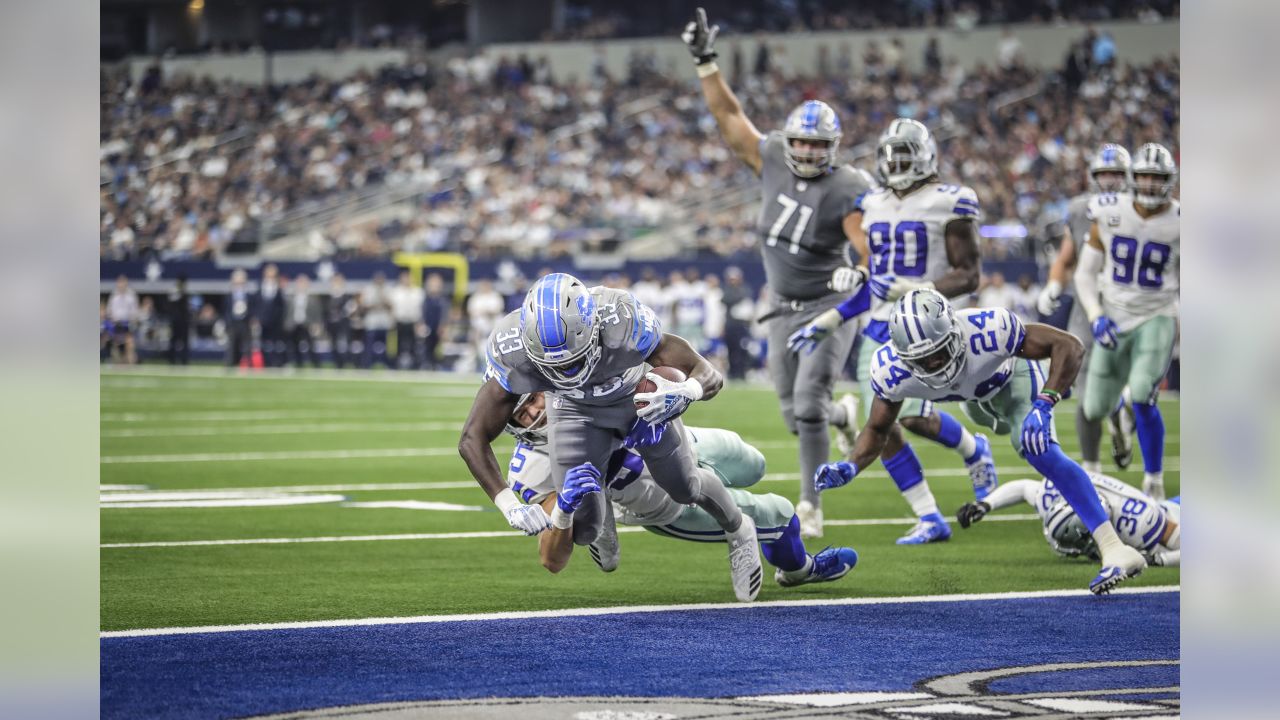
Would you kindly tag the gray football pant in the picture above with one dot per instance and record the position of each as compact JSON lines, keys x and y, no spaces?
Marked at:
{"x":804,"y":382}
{"x":581,"y":433}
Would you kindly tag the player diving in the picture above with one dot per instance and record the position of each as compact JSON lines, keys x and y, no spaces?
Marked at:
{"x":807,"y":215}
{"x":588,"y":349}
{"x":985,"y":359}
{"x":638,"y":500}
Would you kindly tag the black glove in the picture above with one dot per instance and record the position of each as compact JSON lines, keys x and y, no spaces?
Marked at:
{"x":700,"y":38}
{"x":970,"y":513}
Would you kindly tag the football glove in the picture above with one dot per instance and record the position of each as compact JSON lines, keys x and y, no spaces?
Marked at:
{"x":668,"y":399}
{"x":643,"y":434}
{"x":1050,"y":298}
{"x":902,"y":286}
{"x":834,"y":475}
{"x":847,"y":280}
{"x":699,"y":38}
{"x":1104,"y":331}
{"x":528,"y":519}
{"x":810,"y":336}
{"x":880,"y":285}
{"x":970,"y":513}
{"x":1037,"y":428}
{"x":578,"y":483}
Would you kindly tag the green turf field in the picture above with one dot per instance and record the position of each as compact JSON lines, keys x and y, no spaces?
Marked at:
{"x":326,"y":435}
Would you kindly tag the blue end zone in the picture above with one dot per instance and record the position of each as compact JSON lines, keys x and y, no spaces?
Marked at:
{"x":710,"y":653}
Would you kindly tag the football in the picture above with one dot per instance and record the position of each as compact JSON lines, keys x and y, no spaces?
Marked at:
{"x":646,"y":385}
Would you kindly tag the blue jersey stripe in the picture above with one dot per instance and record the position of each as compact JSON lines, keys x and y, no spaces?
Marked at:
{"x":967,"y":201}
{"x":962,"y":210}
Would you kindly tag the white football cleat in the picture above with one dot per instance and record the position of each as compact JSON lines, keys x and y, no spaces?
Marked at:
{"x":605,"y":551}
{"x":1122,"y":564}
{"x":744,"y":561}
{"x":847,"y":434}
{"x":810,"y":519}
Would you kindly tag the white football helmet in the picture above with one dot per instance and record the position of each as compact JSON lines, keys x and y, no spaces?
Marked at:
{"x":813,"y":121}
{"x":927,"y":338}
{"x":1111,"y":158}
{"x":906,"y":154}
{"x":1154,"y":175}
{"x":559,"y":329}
{"x":1066,"y":534}
{"x":535,"y":433}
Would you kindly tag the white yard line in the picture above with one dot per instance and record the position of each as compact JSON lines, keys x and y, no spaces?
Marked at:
{"x":302,"y":429}
{"x":624,"y":610}
{"x":482,"y":534}
{"x":282,"y":455}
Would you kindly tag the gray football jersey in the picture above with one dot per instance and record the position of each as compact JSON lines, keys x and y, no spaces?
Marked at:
{"x":629,"y":333}
{"x":801,"y":222}
{"x":1078,"y":219}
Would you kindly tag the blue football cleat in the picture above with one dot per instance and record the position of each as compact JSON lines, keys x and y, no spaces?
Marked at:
{"x":832,"y":563}
{"x":982,"y":471}
{"x":931,"y":528}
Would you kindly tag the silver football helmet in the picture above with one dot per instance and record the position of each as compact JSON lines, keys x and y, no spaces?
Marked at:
{"x":926,"y":336}
{"x":1066,"y":534}
{"x":535,"y":433}
{"x":559,"y":330}
{"x":1110,"y":158}
{"x":812,"y":122}
{"x":1154,"y":175}
{"x":906,"y":154}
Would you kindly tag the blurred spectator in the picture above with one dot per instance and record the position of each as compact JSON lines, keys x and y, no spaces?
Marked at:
{"x":436,"y":306}
{"x":996,"y":293}
{"x":123,"y":315}
{"x":340,"y":308}
{"x":269,"y":313}
{"x":239,"y":313}
{"x":375,"y":311}
{"x":484,"y":308}
{"x":1009,"y":51}
{"x":179,"y":311}
{"x":303,"y":321}
{"x":406,"y":309}
{"x":737,"y":298}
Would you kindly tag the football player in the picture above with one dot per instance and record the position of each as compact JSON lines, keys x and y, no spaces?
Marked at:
{"x":917,"y":232}
{"x":985,"y":359}
{"x":638,"y":500}
{"x":1110,"y":172}
{"x":807,"y":213}
{"x":1150,"y":526}
{"x":588,"y":349}
{"x":1128,"y":283}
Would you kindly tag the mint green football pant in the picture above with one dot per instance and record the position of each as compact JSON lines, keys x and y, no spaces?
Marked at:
{"x":1140,"y":360}
{"x":1005,"y":411}
{"x":738,"y":465}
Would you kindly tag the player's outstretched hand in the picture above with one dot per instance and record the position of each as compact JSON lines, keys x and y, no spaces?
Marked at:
{"x":578,"y":483}
{"x":834,"y":475}
{"x":1037,"y":428}
{"x":807,"y":338}
{"x":1049,"y":299}
{"x":699,"y":38}
{"x":528,"y":519}
{"x":1104,"y":331}
{"x":847,"y":280}
{"x":668,"y":400}
{"x":644,"y":434}
{"x":970,"y":513}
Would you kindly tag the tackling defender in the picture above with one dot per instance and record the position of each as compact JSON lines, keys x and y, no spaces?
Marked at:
{"x":638,"y":500}
{"x":1110,"y":172}
{"x":1134,"y":246}
{"x":916,"y":233}
{"x":986,"y":359}
{"x":1150,"y":526}
{"x":806,"y":216}
{"x":587,"y":348}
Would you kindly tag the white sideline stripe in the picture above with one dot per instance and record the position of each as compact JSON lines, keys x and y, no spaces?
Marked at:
{"x":286,"y":455}
{"x":1171,"y":464}
{"x":478,"y":534}
{"x":202,"y":431}
{"x":353,"y":487}
{"x":327,"y":375}
{"x":622,"y":610}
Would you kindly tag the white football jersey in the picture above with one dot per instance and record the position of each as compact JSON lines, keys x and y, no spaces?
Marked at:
{"x":907,"y":235}
{"x":1140,"y":276}
{"x":1139,"y":519}
{"x":991,"y":338}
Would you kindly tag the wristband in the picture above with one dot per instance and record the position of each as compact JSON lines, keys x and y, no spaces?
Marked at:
{"x":697,"y":388}
{"x":561,"y":519}
{"x":506,"y":501}
{"x":708,"y":68}
{"x":1053,"y":396}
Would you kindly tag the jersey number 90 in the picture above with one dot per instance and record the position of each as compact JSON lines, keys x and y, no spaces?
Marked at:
{"x":905,"y":254}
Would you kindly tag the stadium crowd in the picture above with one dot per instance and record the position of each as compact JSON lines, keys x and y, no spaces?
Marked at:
{"x":505,"y":160}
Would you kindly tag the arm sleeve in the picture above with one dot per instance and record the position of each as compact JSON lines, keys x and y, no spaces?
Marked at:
{"x":1091,"y":262}
{"x":1012,"y":493}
